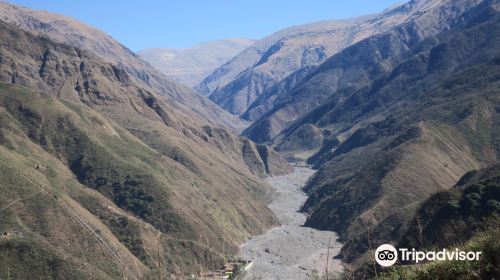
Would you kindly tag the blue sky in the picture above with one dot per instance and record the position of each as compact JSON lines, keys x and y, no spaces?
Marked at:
{"x":182,"y":23}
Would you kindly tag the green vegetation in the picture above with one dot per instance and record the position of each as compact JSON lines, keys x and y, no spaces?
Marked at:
{"x":488,"y":267}
{"x":115,"y":169}
{"x":128,"y":234}
{"x":97,"y":160}
{"x":236,"y":271}
{"x":465,"y":217}
{"x":131,"y":197}
{"x":97,"y":169}
{"x":83,"y":155}
{"x":126,"y":230}
{"x":470,"y":206}
{"x":22,"y":259}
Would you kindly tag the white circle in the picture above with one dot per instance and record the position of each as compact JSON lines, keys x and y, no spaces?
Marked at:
{"x":386,"y":255}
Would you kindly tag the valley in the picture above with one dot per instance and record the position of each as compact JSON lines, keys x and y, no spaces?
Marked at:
{"x":291,"y":251}
{"x":293,"y":156}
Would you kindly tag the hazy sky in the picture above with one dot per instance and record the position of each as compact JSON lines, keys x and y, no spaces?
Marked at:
{"x":182,"y":23}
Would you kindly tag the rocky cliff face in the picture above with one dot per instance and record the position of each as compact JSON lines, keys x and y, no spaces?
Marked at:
{"x":262,"y":160}
{"x":189,"y":66}
{"x":274,"y":164}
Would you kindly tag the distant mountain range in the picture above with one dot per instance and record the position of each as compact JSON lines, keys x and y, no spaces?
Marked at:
{"x":189,"y":66}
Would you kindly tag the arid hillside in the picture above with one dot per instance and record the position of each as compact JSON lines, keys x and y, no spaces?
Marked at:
{"x":154,"y":184}
{"x":69,"y":31}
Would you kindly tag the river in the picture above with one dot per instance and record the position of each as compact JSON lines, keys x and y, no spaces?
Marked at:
{"x":290,"y":251}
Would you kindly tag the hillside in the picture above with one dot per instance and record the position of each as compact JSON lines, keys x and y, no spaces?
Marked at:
{"x":474,"y":203}
{"x":142,"y":174}
{"x":356,"y":66}
{"x":252,"y":83}
{"x":407,"y":135}
{"x":109,"y":169}
{"x":67,"y":30}
{"x":189,"y":66}
{"x":427,"y":224}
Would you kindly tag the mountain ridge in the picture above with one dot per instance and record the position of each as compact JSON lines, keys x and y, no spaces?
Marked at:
{"x":190,"y":65}
{"x":258,"y":70}
{"x":70,"y":31}
{"x":406,"y":136}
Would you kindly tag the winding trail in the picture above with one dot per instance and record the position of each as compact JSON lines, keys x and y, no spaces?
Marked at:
{"x":290,"y":251}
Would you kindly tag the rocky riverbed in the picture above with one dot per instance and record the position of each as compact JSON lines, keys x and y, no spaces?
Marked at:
{"x":291,"y":251}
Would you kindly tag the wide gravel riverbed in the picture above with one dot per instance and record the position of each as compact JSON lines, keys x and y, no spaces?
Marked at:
{"x":290,"y":251}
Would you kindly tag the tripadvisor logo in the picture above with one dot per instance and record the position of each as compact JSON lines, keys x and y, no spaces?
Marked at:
{"x":387,"y":255}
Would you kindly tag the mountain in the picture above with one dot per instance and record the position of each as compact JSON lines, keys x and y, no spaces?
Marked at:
{"x":67,"y":30}
{"x":441,"y":97}
{"x":472,"y":201}
{"x":356,"y":66}
{"x":103,"y":174}
{"x":189,"y":66}
{"x":103,"y":178}
{"x":250,"y":83}
{"x":474,"y":204}
{"x":413,"y":114}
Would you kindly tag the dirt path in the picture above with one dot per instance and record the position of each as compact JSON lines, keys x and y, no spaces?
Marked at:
{"x":290,"y":251}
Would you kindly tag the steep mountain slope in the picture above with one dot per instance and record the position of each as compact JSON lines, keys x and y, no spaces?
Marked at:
{"x":276,"y":63}
{"x":474,"y":200}
{"x":485,"y":241}
{"x":474,"y":204}
{"x":190,"y":66}
{"x":357,"y":66}
{"x":147,"y":176}
{"x":412,"y":132}
{"x":67,"y":30}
